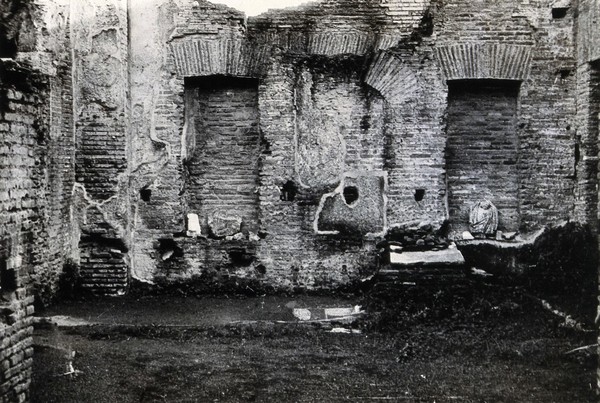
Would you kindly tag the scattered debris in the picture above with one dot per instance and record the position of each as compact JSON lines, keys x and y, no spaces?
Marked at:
{"x":568,"y":322}
{"x":345,"y":330}
{"x":467,"y":236}
{"x":302,"y":314}
{"x":479,"y":272}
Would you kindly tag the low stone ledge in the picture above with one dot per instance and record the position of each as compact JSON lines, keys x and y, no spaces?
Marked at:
{"x":445,"y":258}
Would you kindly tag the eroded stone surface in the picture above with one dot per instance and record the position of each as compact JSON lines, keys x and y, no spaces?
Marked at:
{"x":357,"y":206}
{"x":446,"y":257}
{"x":222,"y":225}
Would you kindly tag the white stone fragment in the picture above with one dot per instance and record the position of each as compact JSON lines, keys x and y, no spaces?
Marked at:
{"x":338,"y":312}
{"x":344,"y":330}
{"x":467,"y":236}
{"x":193,"y":225}
{"x":448,"y":256}
{"x":302,"y":314}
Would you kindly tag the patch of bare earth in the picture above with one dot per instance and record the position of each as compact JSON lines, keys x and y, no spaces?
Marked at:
{"x":502,"y":348}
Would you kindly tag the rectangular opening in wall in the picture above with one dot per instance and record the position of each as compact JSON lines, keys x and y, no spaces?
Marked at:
{"x":482,"y":150}
{"x":8,"y":279}
{"x":559,"y":12}
{"x":223,"y":150}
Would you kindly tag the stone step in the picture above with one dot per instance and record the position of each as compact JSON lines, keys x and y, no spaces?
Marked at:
{"x":441,"y":266}
{"x":445,"y":257}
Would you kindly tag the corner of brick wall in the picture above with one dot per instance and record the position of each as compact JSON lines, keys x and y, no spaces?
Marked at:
{"x":24,"y":110}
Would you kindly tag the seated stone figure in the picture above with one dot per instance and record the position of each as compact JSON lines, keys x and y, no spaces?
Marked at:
{"x":483,"y":220}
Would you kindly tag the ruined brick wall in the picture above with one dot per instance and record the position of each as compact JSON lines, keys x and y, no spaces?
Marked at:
{"x":350,"y":94}
{"x":588,"y":99}
{"x":52,"y":56}
{"x":588,"y":112}
{"x":99,"y":38}
{"x":37,"y":175}
{"x":26,"y":155}
{"x":482,"y":150}
{"x":524,"y":36}
{"x":281,"y":250}
{"x":222,"y":167}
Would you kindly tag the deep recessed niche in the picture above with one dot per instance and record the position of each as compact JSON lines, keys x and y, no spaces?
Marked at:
{"x":350,"y":195}
{"x":419,"y":194}
{"x":145,"y":194}
{"x":482,"y":159}
{"x":288,"y":191}
{"x":224,"y":144}
{"x":559,"y":12}
{"x":169,"y":249}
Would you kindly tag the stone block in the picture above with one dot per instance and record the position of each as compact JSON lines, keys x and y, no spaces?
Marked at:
{"x":193,"y":225}
{"x":446,"y":257}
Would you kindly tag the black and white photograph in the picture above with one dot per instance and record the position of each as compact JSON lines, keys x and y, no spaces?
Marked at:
{"x":299,"y":201}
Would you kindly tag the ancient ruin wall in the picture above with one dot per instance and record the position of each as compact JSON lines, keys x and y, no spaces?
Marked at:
{"x":298,"y":96}
{"x":527,"y":43}
{"x":30,"y":159}
{"x":588,"y":111}
{"x":99,"y":39}
{"x":375,"y":79}
{"x":37,"y":174}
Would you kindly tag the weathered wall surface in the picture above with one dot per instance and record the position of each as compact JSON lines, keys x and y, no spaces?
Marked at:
{"x":36,"y":176}
{"x":523,"y":41}
{"x":343,"y":86}
{"x":588,"y":111}
{"x":22,"y":97}
{"x":100,"y":51}
{"x":52,"y":56}
{"x":482,"y":151}
{"x":588,"y":99}
{"x":222,"y":167}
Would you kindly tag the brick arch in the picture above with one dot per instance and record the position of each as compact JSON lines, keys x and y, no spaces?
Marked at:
{"x":467,"y":61}
{"x":391,"y":78}
{"x":195,"y":57}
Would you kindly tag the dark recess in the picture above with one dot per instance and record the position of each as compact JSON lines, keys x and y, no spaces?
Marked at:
{"x":289,"y":191}
{"x":419,"y":194}
{"x":145,"y":194}
{"x":559,"y":12}
{"x":350,"y":194}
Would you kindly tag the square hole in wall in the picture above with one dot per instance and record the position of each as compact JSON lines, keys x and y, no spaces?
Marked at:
{"x":559,"y":12}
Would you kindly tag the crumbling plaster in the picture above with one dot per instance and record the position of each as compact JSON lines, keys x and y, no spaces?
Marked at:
{"x":388,"y":63}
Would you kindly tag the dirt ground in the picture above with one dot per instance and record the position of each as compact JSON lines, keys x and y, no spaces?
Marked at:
{"x":489,"y":345}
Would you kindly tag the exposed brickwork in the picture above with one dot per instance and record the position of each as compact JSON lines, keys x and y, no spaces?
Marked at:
{"x":100,"y":74}
{"x":335,"y":27}
{"x":482,"y":151}
{"x":391,"y":78}
{"x":482,"y":61}
{"x":588,"y":114}
{"x":24,"y":157}
{"x":222,"y":171}
{"x":100,"y":37}
{"x":328,"y":103}
{"x":342,"y":86}
{"x":36,"y":179}
{"x":113,"y":160}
